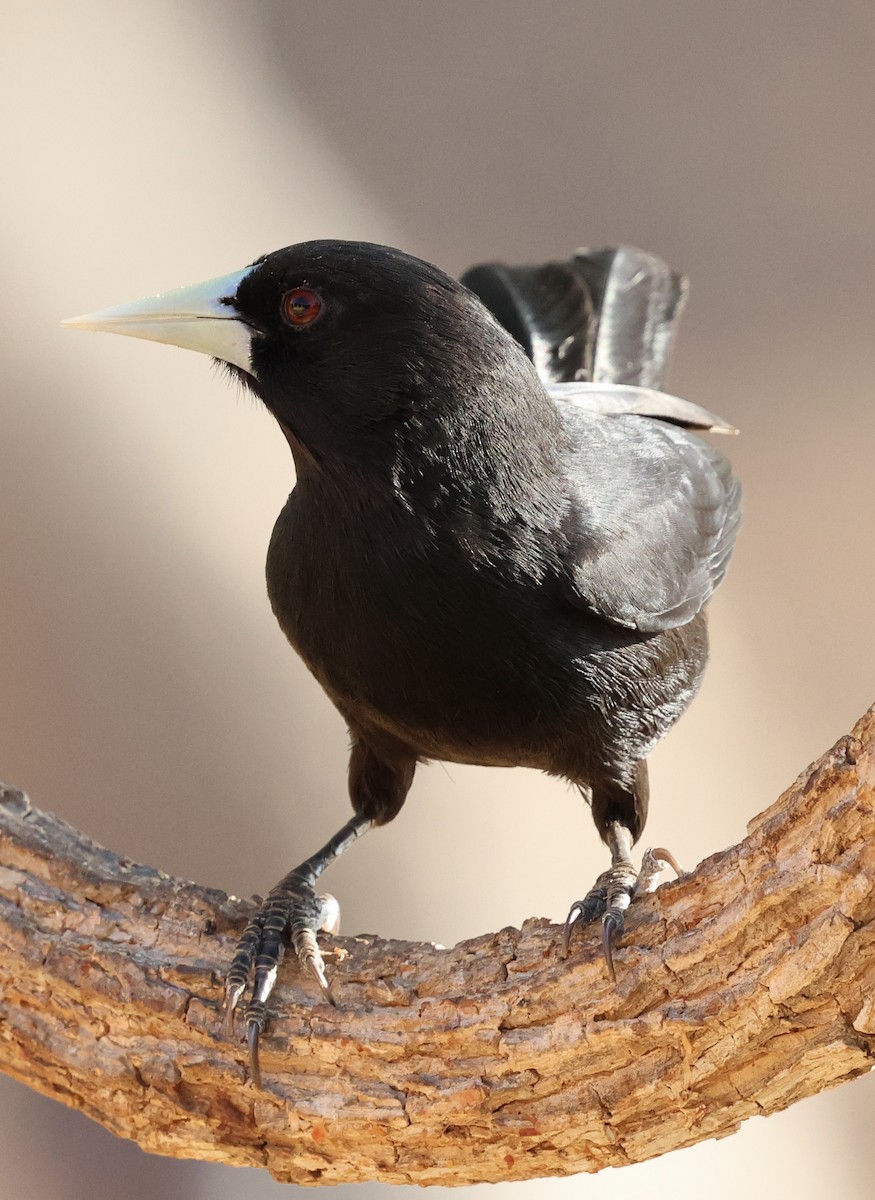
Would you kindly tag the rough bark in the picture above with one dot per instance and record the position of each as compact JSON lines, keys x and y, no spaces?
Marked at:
{"x":741,"y":988}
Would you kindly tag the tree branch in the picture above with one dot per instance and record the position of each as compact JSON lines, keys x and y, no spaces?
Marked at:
{"x":742,"y":988}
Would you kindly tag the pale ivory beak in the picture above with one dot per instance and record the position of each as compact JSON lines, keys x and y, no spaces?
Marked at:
{"x":202,"y":317}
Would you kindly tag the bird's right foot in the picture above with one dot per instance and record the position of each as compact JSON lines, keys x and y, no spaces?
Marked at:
{"x":291,"y":914}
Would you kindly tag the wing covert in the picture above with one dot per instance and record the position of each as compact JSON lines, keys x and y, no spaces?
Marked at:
{"x":655,"y":513}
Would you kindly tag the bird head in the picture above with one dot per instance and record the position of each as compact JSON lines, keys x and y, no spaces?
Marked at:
{"x":337,"y":338}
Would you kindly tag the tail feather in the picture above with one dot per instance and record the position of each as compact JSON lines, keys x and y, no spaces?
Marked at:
{"x":605,"y":316}
{"x":639,"y":300}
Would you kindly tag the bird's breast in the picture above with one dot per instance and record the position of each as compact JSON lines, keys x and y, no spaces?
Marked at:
{"x":461,"y":655}
{"x":407,"y":629}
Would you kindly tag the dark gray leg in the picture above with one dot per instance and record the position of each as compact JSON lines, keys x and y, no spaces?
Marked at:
{"x":378,"y":785}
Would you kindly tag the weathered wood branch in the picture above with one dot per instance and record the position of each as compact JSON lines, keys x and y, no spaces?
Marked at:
{"x":742,"y":988}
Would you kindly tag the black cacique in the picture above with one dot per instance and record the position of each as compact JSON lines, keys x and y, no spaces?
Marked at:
{"x":501,"y":539}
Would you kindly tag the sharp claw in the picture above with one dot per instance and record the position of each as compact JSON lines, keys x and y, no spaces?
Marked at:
{"x":228,"y":1019}
{"x":316,"y":968}
{"x":574,"y":913}
{"x":653,"y":864}
{"x":666,"y":856}
{"x":233,"y":992}
{"x":611,"y":927}
{"x":253,"y":1033}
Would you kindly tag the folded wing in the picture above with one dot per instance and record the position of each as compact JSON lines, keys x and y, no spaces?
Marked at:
{"x":654,"y":510}
{"x":653,"y":519}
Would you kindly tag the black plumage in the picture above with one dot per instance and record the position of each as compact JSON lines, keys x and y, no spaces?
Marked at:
{"x":500,"y":541}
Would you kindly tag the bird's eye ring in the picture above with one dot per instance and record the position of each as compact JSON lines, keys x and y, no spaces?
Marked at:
{"x":301,"y":306}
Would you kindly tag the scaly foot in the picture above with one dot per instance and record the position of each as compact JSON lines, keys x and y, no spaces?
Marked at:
{"x":614,"y":891}
{"x":292,"y":913}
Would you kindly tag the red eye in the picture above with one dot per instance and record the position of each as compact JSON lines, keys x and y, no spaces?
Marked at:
{"x":301,"y":306}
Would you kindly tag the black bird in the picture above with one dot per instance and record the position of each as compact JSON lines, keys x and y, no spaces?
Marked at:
{"x":501,"y":539}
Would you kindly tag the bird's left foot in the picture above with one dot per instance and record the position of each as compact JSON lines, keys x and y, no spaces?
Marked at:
{"x":614,"y":891}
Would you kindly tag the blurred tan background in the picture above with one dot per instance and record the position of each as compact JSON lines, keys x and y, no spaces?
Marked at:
{"x":148,"y":695}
